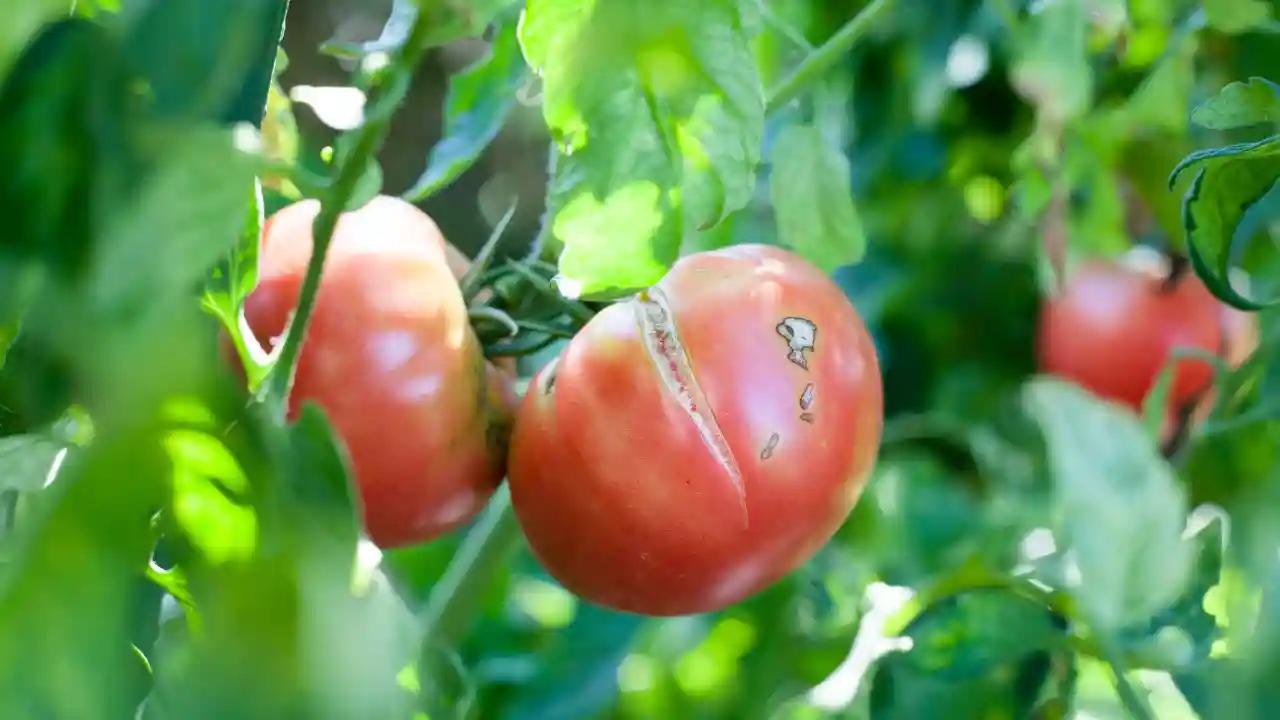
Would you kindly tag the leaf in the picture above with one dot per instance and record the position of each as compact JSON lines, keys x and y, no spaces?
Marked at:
{"x":27,"y":461}
{"x":1229,"y":181}
{"x":183,"y":218}
{"x":448,"y":21}
{"x":22,"y":21}
{"x":980,"y":654}
{"x":65,"y":139}
{"x":1052,"y":70}
{"x":1236,"y":16}
{"x":235,"y":276}
{"x":578,"y":672}
{"x":205,"y":59}
{"x":477,"y":105}
{"x":658,"y":118}
{"x":810,"y":186}
{"x":1122,"y":512}
{"x":1240,"y":105}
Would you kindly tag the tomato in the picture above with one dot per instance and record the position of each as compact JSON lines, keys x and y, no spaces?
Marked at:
{"x":391,"y":357}
{"x":1114,"y":327}
{"x":696,"y":443}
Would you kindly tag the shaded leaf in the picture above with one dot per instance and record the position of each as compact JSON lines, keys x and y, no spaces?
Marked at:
{"x":1236,"y":16}
{"x":1229,"y":181}
{"x":980,"y":654}
{"x":26,"y":461}
{"x":810,"y":186}
{"x":477,"y":105}
{"x":1240,"y":104}
{"x":658,"y":117}
{"x":1122,"y":513}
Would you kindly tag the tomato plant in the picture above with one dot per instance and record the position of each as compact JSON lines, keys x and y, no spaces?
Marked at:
{"x":742,"y":396}
{"x":391,"y":358}
{"x":795,"y":296}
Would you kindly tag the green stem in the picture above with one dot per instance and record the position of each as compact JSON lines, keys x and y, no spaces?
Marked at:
{"x":826,"y":56}
{"x":459,"y":592}
{"x":1134,"y":704}
{"x":388,"y":93}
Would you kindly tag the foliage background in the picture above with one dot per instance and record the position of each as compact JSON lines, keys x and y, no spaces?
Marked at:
{"x":978,"y":137}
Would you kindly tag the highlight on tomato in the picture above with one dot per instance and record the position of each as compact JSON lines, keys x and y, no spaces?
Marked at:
{"x":695,"y":444}
{"x":391,"y":357}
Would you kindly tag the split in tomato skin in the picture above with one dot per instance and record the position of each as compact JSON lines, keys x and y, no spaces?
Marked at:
{"x":669,"y":473}
{"x":1113,"y":329}
{"x":391,"y":357}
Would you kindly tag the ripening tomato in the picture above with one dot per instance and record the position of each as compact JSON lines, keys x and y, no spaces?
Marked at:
{"x":696,"y":443}
{"x":391,"y":357}
{"x":1113,"y":329}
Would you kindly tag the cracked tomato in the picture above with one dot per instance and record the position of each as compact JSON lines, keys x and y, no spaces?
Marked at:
{"x":693,"y":445}
{"x":391,"y":357}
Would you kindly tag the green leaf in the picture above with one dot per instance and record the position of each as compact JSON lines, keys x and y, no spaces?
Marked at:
{"x":1236,"y":16}
{"x":183,"y":218}
{"x":1052,"y":70}
{"x":65,"y":138}
{"x":1121,"y":510}
{"x":658,"y":117}
{"x":198,"y":58}
{"x":237,"y":274}
{"x":811,"y":187}
{"x":448,"y":21}
{"x":22,"y":21}
{"x":479,"y":100}
{"x":980,"y":654}
{"x":1229,"y":181}
{"x":1239,"y":105}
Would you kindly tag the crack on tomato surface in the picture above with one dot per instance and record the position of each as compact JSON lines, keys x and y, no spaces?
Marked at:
{"x":547,"y":379}
{"x":662,"y":342}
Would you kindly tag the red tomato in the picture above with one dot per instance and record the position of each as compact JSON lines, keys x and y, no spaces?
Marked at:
{"x":1113,"y":329}
{"x":693,"y":445}
{"x":391,"y":357}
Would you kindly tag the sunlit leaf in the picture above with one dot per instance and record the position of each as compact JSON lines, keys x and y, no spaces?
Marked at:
{"x":658,"y":116}
{"x":1236,"y":16}
{"x":813,"y":199}
{"x":1122,"y":512}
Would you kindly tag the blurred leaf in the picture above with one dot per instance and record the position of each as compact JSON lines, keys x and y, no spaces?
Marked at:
{"x":448,"y":21}
{"x":1052,"y":70}
{"x":65,"y":140}
{"x":577,"y":674}
{"x":1239,"y":105}
{"x":1122,"y":512}
{"x":813,"y":199}
{"x":22,"y":21}
{"x":199,"y":58}
{"x":26,"y":461}
{"x":479,"y":100}
{"x":183,"y":218}
{"x":980,"y":654}
{"x":658,"y":117}
{"x":1229,"y":180}
{"x":1236,"y":16}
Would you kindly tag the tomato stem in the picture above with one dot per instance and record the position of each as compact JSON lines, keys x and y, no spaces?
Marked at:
{"x":360,"y":146}
{"x":1179,"y":264}
{"x":481,"y":556}
{"x":830,"y":53}
{"x":470,"y":282}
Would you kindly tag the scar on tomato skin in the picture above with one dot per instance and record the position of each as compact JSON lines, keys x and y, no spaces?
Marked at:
{"x":806,"y":402}
{"x":547,"y":379}
{"x":801,"y":334}
{"x":661,"y":341}
{"x":772,"y":445}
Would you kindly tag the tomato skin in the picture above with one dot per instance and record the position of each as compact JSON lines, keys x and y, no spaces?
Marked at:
{"x":391,"y":357}
{"x":619,"y":495}
{"x":1113,"y":328}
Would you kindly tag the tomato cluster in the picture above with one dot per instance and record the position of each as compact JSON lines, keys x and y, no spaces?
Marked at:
{"x":687,"y":448}
{"x":1117,"y":324}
